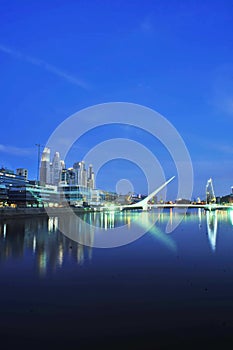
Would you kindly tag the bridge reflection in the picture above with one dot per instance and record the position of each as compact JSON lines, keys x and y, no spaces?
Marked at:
{"x":212,"y":220}
{"x":212,"y":226}
{"x":41,"y":238}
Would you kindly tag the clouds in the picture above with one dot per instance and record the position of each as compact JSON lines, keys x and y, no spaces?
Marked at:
{"x":42,"y":64}
{"x":17,"y":151}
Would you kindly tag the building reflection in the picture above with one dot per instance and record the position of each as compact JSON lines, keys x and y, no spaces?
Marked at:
{"x":212,"y":227}
{"x":199,"y":217}
{"x":212,"y":220}
{"x":231,"y":216}
{"x":43,"y":237}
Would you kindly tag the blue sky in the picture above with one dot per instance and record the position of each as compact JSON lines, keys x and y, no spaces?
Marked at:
{"x":176,"y":57}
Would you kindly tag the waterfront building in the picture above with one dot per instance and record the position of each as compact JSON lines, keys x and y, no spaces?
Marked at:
{"x":28,"y":195}
{"x":3,"y":195}
{"x":57,"y":184}
{"x":74,"y":185}
{"x":110,"y":197}
{"x":9,"y":178}
{"x":226,"y":199}
{"x":22,"y":172}
{"x":97,"y":197}
{"x":72,"y":194}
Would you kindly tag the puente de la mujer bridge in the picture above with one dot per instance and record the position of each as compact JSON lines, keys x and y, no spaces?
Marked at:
{"x":144,"y":205}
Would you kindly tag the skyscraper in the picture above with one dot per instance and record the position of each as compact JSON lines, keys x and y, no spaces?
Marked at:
{"x":45,"y":167}
{"x":62,"y":164}
{"x":81,"y":172}
{"x":55,"y":169}
{"x":210,"y":196}
{"x":91,"y":178}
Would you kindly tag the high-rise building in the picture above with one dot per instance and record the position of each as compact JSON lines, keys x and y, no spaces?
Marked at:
{"x":69,"y":177}
{"x":210,"y":196}
{"x":91,"y":177}
{"x":63,"y":166}
{"x":78,"y":175}
{"x":45,"y":167}
{"x":82,"y":173}
{"x":55,"y":169}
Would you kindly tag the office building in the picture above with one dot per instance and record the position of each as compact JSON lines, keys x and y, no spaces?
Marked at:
{"x":28,"y":195}
{"x":9,"y":178}
{"x":45,"y":167}
{"x":91,"y":178}
{"x":22,"y":172}
{"x":55,"y":169}
{"x":82,"y":173}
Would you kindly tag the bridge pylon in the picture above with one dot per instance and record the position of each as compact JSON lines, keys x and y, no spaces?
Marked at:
{"x":210,"y":196}
{"x":144,"y":202}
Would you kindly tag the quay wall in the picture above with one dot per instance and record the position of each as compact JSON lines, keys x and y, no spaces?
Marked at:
{"x":30,"y":212}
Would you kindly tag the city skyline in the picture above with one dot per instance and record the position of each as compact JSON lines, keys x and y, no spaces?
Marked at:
{"x":173,"y":57}
{"x":53,"y":171}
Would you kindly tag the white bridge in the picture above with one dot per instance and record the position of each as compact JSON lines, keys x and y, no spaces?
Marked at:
{"x":144,"y":205}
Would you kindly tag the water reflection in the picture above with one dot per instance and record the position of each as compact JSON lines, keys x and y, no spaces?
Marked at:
{"x":231,"y":216}
{"x":39,"y":237}
{"x":50,"y":249}
{"x":212,"y":220}
{"x":212,"y":226}
{"x":199,"y":216}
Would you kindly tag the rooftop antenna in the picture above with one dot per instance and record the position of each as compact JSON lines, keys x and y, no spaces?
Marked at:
{"x":38,"y":161}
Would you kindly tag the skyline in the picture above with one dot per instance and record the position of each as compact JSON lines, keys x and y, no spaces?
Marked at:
{"x":54,"y":172}
{"x":173,"y":57}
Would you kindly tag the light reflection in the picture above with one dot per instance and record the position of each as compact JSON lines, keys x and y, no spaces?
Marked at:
{"x":106,"y":221}
{"x":199,"y":216}
{"x":4,"y":231}
{"x":42,"y":263}
{"x":166,"y":240}
{"x":212,"y":226}
{"x":80,"y":254}
{"x":147,"y":220}
{"x":52,"y":224}
{"x":60,"y":255}
{"x":171,"y":216}
{"x":231,"y":216}
{"x":34,"y":244}
{"x":40,"y":236}
{"x":49,"y":246}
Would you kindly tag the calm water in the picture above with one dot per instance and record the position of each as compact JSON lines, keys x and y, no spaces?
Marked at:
{"x":159,"y":291}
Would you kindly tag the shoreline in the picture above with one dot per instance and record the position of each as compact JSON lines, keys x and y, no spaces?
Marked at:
{"x":30,"y":212}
